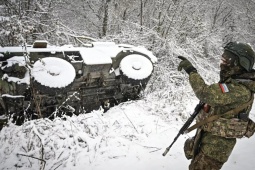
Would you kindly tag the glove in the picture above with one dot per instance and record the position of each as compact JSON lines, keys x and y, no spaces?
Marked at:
{"x":186,"y":65}
{"x":250,"y":129}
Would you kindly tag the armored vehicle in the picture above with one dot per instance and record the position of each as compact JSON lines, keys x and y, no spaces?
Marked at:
{"x":42,"y":80}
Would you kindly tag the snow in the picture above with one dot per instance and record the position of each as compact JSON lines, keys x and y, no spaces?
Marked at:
{"x":53,"y":72}
{"x":93,"y":56}
{"x":146,"y":52}
{"x":103,"y":44}
{"x":11,"y":96}
{"x":131,"y":135}
{"x":20,"y":60}
{"x":15,"y":60}
{"x":123,"y":137}
{"x":25,"y":80}
{"x":98,"y":53}
{"x":2,"y":18}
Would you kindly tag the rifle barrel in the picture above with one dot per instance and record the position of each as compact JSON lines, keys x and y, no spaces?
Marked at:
{"x":186,"y":125}
{"x":169,"y":147}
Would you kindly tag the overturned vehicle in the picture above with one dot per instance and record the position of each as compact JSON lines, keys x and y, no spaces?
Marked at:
{"x":40,"y":80}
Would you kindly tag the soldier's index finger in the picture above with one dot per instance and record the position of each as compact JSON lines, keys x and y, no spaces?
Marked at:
{"x":181,"y":57}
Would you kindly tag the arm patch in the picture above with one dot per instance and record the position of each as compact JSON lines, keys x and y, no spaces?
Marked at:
{"x":224,"y":88}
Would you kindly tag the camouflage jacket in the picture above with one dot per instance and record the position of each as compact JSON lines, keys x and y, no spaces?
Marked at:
{"x":221,"y":134}
{"x":222,"y":100}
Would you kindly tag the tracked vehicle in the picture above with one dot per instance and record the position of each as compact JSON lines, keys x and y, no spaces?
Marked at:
{"x":42,"y":80}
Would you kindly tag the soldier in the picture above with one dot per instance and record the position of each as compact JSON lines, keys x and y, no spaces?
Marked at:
{"x":230,"y":100}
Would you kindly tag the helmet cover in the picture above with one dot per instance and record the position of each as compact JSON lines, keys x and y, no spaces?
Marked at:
{"x":244,"y":52}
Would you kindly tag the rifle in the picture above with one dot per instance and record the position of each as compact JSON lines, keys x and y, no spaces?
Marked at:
{"x":186,"y":125}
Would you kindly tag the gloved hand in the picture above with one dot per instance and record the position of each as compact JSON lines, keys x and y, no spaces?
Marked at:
{"x":250,"y":129}
{"x":186,"y":65}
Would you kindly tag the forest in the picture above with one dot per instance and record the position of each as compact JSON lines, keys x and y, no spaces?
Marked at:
{"x":197,"y":29}
{"x":151,"y":23}
{"x":133,"y":133}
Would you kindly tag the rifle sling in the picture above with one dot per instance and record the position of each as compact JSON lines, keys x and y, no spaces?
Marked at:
{"x":215,"y":117}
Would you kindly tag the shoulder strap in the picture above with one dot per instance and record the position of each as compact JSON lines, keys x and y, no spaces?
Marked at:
{"x":215,"y":117}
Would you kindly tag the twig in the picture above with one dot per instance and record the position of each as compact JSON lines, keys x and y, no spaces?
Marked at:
{"x":150,"y":147}
{"x":34,"y":158}
{"x":130,"y":122}
{"x":58,"y":108}
{"x":155,"y":150}
{"x":42,"y":151}
{"x":57,"y":166}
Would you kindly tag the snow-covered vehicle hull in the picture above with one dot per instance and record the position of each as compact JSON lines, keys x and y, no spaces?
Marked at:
{"x":47,"y":81}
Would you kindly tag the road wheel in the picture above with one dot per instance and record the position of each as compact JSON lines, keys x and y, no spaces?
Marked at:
{"x":136,"y":69}
{"x":53,"y":75}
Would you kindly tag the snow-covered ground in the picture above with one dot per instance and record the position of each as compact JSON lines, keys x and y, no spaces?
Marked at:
{"x":132,"y":135}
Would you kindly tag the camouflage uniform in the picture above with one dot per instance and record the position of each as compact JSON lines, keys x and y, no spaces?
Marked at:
{"x":215,"y":140}
{"x":214,"y":149}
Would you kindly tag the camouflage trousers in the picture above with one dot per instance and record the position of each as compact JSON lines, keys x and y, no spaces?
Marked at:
{"x":213,"y":153}
{"x":203,"y":162}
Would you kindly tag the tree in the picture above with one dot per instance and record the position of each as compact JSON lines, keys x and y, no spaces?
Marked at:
{"x":26,"y":20}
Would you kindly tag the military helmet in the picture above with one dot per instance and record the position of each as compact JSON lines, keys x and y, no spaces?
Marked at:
{"x":244,"y":52}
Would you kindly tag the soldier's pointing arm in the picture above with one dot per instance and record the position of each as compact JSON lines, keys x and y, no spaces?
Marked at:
{"x":219,"y":93}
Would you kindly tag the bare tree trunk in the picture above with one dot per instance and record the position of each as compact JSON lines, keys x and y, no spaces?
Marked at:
{"x":106,"y":17}
{"x":141,"y":15}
